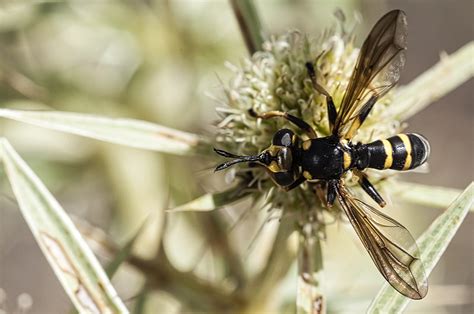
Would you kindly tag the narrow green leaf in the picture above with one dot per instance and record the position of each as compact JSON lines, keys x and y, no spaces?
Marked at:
{"x":128,"y":132}
{"x":249,"y":23}
{"x":73,"y":262}
{"x":450,"y":72}
{"x":124,"y":252}
{"x":212,"y":201}
{"x":432,"y":243}
{"x":426,"y":195}
{"x":140,"y":302}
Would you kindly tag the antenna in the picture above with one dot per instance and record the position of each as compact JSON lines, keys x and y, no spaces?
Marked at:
{"x":237,"y":159}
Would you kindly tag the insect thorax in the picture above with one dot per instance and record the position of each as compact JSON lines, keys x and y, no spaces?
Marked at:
{"x":322,"y":158}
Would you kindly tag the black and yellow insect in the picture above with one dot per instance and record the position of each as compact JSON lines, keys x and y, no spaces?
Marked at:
{"x":291,"y":161}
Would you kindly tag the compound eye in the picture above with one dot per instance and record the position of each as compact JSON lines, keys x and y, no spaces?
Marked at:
{"x":283,"y":137}
{"x":285,"y":159}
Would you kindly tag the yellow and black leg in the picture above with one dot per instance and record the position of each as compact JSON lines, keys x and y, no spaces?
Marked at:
{"x":363,"y":113}
{"x":305,"y":127}
{"x":369,"y":188}
{"x":332,"y":113}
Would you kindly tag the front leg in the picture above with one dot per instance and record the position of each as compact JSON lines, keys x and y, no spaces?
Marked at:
{"x":305,"y":127}
{"x":296,"y":183}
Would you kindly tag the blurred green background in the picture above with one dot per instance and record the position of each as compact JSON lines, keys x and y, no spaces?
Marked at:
{"x":156,"y":61}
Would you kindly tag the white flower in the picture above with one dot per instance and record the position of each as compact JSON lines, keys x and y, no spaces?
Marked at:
{"x":276,"y":79}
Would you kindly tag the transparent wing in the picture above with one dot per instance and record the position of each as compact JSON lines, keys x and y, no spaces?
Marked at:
{"x":389,"y":244}
{"x":377,"y":70}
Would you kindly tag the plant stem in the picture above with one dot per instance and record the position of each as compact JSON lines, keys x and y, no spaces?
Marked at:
{"x":187,"y":287}
{"x":249,"y":23}
{"x":310,"y":298}
{"x":278,"y":263}
{"x":215,"y":230}
{"x":160,"y":274}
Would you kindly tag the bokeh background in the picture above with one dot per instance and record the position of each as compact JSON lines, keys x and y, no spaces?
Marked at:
{"x":157,"y":61}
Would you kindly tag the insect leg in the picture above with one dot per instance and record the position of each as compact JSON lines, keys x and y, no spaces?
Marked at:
{"x":305,"y":127}
{"x":326,"y":192}
{"x":332,"y":113}
{"x":361,"y":116}
{"x":295,"y":183}
{"x":320,"y":190}
{"x":331,"y":193}
{"x":369,"y":188}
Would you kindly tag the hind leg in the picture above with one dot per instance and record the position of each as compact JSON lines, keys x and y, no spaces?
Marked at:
{"x":369,"y":188}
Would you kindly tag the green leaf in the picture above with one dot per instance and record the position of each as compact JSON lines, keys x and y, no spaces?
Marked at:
{"x":128,"y":132}
{"x":140,"y":302}
{"x":249,"y":23}
{"x":426,"y":195}
{"x":73,"y":262}
{"x":212,"y":201}
{"x":124,"y":252}
{"x":432,"y":243}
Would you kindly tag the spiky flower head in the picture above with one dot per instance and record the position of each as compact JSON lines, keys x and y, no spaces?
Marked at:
{"x":276,"y":79}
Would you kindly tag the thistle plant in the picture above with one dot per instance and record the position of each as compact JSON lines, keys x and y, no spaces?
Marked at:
{"x":140,"y":235}
{"x":277,"y":79}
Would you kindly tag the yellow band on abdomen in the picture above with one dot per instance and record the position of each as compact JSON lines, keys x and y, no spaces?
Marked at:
{"x":389,"y":153}
{"x":406,"y":142}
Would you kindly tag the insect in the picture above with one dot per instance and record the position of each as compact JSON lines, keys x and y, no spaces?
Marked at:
{"x":290,"y":160}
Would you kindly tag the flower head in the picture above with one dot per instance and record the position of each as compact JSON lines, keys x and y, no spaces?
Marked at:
{"x":277,"y":79}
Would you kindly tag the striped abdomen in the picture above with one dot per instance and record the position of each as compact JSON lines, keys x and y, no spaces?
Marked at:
{"x":399,"y":152}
